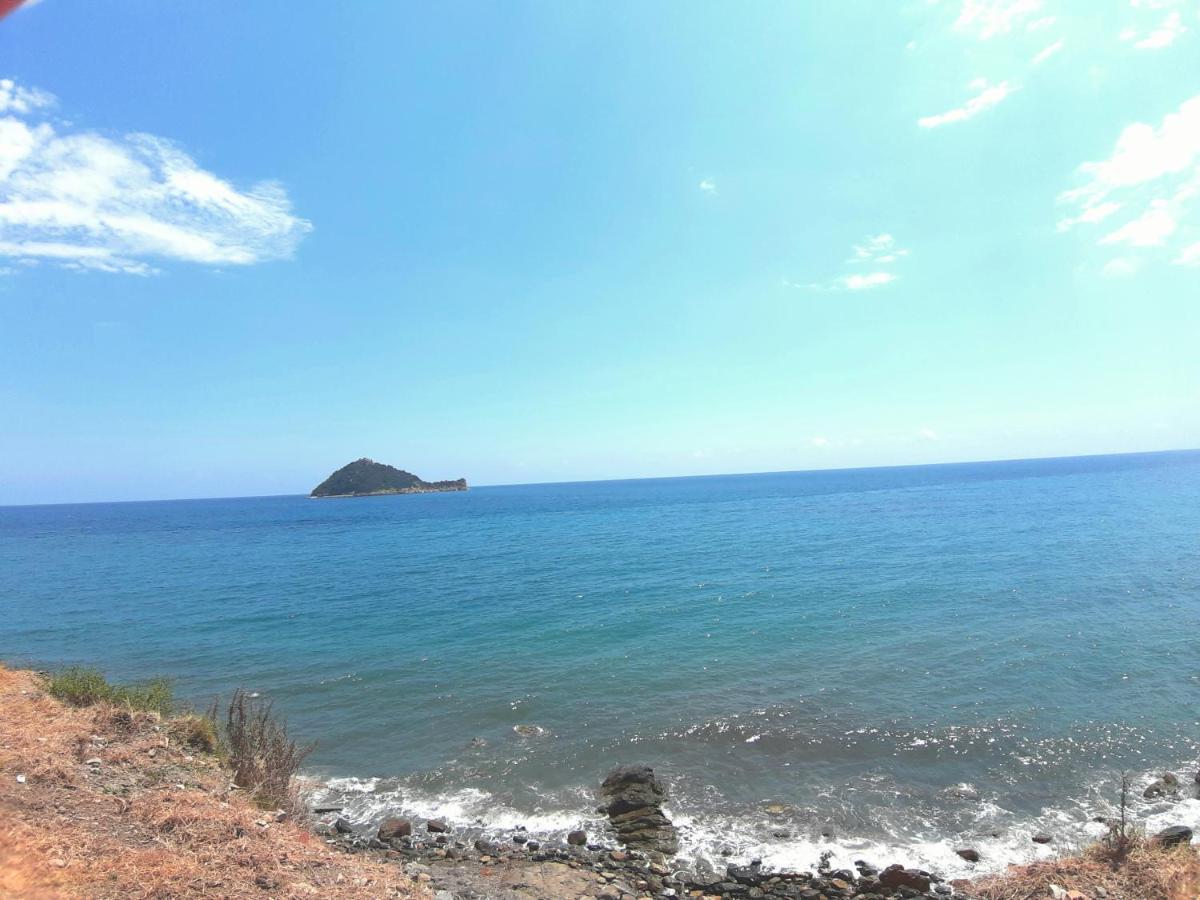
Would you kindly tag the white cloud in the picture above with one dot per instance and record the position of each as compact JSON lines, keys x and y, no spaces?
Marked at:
{"x":1090,"y":215}
{"x":1153,"y":170}
{"x":877,"y":249}
{"x":1121,"y":267}
{"x":22,"y":100}
{"x":927,"y":434}
{"x":988,"y":96}
{"x":1150,"y":229}
{"x":866,"y":282}
{"x":86,"y":201}
{"x":989,"y":18}
{"x":819,"y":441}
{"x":1165,"y":34}
{"x":1144,"y":153}
{"x":1047,"y":53}
{"x":1041,"y":24}
{"x":708,"y":186}
{"x":1189,"y":255}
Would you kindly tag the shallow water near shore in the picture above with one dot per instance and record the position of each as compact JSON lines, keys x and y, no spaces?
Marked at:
{"x":909,"y":660}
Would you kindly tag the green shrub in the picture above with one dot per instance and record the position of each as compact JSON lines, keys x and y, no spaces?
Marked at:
{"x":155,"y":695}
{"x":196,"y":732}
{"x":81,"y":686}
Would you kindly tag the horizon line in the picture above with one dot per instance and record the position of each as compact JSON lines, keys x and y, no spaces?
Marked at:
{"x":960,"y":462}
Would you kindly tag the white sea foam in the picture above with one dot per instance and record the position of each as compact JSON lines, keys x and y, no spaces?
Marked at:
{"x":467,"y":808}
{"x":1000,"y":838}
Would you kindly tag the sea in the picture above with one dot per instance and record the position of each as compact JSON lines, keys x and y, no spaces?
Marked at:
{"x":885,"y":664}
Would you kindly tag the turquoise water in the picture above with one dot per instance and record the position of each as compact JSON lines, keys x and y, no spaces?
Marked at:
{"x":907,"y":657}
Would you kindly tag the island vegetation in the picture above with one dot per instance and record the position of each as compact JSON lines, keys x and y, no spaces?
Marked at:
{"x":367,"y":478}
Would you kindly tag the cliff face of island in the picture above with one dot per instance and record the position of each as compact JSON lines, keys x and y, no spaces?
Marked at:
{"x":367,"y":478}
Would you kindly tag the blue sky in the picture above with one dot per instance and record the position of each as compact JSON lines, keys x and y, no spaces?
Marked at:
{"x":241,"y":246}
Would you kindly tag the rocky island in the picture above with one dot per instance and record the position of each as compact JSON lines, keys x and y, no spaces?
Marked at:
{"x":367,"y":478}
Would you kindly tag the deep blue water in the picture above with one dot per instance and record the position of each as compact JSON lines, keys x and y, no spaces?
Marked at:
{"x":851,"y":644}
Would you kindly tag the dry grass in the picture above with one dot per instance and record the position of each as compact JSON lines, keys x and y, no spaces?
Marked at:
{"x":264,"y":758}
{"x":154,"y":819}
{"x":1147,"y":872}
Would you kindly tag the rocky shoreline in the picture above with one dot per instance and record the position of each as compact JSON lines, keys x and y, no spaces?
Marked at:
{"x":632,"y":860}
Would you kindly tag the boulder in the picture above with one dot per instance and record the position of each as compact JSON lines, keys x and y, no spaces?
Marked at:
{"x":970,"y":854}
{"x":1167,"y":785}
{"x":896,"y":876}
{"x":633,"y":799}
{"x":1041,"y":838}
{"x":1175,"y":835}
{"x":391,"y":829}
{"x":343,"y":826}
{"x":577,"y":838}
{"x":437,"y":826}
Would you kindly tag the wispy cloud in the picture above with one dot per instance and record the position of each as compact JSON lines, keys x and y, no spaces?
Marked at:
{"x":1150,"y":229}
{"x":1121,"y":267}
{"x":1164,"y":35}
{"x":708,"y":186}
{"x":1189,"y":256}
{"x":1047,"y":53}
{"x":990,"y":18}
{"x":866,"y":282}
{"x":15,"y":98}
{"x":878,"y":248}
{"x":86,"y":201}
{"x":988,"y":96}
{"x":1153,"y":173}
{"x":876,"y":251}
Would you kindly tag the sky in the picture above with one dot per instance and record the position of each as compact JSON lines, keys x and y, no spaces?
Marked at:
{"x":242,"y":245}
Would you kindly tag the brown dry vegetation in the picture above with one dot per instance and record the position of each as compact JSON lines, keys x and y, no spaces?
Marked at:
{"x":155,"y":818}
{"x":1146,"y":872}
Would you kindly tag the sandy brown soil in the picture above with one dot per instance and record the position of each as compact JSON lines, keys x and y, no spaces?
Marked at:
{"x":100,"y":802}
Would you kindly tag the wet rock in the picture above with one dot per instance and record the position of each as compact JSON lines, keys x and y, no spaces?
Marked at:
{"x":633,"y":799}
{"x":343,"y":826}
{"x":751,"y":875}
{"x":896,"y":876}
{"x":577,"y":838}
{"x":1042,"y":838}
{"x":1175,"y":835}
{"x":392,"y":829}
{"x":529,"y":731}
{"x":1165,"y":786}
{"x":961,"y":792}
{"x":437,"y":826}
{"x":970,"y":854}
{"x":486,"y":847}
